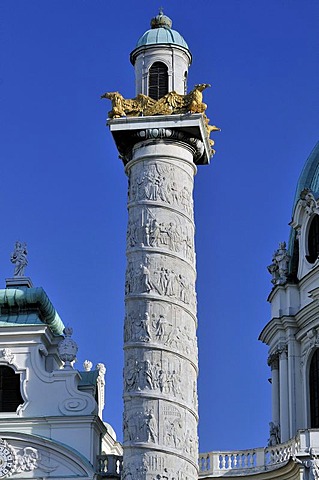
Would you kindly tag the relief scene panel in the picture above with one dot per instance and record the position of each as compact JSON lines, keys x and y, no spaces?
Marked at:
{"x":163,"y":324}
{"x":158,"y":182}
{"x":160,"y":229}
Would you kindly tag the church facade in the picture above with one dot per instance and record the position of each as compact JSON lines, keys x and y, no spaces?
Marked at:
{"x":51,"y":414}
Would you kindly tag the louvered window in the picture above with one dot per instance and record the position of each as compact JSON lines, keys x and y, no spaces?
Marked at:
{"x":158,"y":80}
{"x":10,"y":396}
{"x":313,"y":240}
{"x":314,"y":390}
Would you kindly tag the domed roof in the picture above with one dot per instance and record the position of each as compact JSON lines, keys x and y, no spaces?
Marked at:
{"x":309,"y":178}
{"x":161,"y":33}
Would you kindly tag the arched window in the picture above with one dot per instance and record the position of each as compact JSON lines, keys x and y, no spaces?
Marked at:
{"x":314,"y":390}
{"x":158,"y":80}
{"x":313,"y":240}
{"x":10,"y":395}
{"x":185,"y":83}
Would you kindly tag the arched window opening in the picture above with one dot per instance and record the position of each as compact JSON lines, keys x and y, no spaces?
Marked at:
{"x":313,"y":240}
{"x":314,"y":390}
{"x":158,"y":80}
{"x":185,"y":83}
{"x":10,"y":395}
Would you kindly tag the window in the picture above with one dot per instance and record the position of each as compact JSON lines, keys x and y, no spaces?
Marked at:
{"x":314,"y":390}
{"x":158,"y":80}
{"x":313,"y":240}
{"x":185,"y":83}
{"x":10,"y":396}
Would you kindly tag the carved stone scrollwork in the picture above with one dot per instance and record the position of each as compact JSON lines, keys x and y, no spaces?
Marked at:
{"x":7,"y":355}
{"x":313,"y":337}
{"x":28,"y":461}
{"x":12,"y":461}
{"x":8,"y":459}
{"x":308,"y":202}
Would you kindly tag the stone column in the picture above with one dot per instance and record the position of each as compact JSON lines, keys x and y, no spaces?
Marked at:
{"x":160,"y":345}
{"x":283,"y":387}
{"x":273,"y":362}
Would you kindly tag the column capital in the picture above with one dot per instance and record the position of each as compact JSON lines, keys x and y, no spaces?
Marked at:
{"x":273,"y":361}
{"x":189,"y":129}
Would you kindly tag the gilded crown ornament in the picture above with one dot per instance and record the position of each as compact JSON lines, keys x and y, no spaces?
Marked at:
{"x":170,"y":104}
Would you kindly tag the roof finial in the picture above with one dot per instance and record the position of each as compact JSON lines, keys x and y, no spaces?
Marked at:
{"x":161,"y":20}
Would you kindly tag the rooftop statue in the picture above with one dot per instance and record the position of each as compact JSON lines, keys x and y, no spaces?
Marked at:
{"x":171,"y":103}
{"x":19,"y":258}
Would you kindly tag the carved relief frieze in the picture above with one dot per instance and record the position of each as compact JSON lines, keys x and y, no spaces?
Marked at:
{"x":153,"y":275}
{"x":179,"y":429}
{"x":155,"y":372}
{"x":156,"y":182}
{"x":157,"y":229}
{"x":140,"y":423}
{"x":162,"y":324}
{"x":152,"y":466}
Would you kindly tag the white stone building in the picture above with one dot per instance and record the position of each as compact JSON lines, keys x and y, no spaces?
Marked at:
{"x":51,"y":414}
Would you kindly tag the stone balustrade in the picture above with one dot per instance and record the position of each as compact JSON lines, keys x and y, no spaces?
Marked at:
{"x":234,"y":463}
{"x":256,"y":459}
{"x":218,"y":462}
{"x":109,"y":466}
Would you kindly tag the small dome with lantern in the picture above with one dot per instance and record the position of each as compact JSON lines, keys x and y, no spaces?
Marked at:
{"x":161,"y":32}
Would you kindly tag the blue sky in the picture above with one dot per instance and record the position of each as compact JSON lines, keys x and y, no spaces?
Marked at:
{"x":63,"y":188}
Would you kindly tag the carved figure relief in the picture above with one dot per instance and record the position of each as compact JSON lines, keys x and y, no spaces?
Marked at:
{"x":166,"y":325}
{"x":149,"y":231}
{"x":157,"y":183}
{"x":159,"y":467}
{"x":153,"y":374}
{"x":179,"y":430}
{"x":152,"y":277}
{"x":140,"y":426}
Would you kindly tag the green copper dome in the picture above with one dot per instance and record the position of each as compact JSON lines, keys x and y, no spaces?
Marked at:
{"x":161,"y":33}
{"x":309,"y":178}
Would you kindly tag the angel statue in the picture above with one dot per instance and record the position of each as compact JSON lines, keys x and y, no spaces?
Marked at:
{"x":19,"y":258}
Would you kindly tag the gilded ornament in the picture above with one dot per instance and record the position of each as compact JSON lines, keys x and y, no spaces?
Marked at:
{"x":172,"y":103}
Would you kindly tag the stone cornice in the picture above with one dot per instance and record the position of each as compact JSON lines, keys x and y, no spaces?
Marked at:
{"x":187,"y":129}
